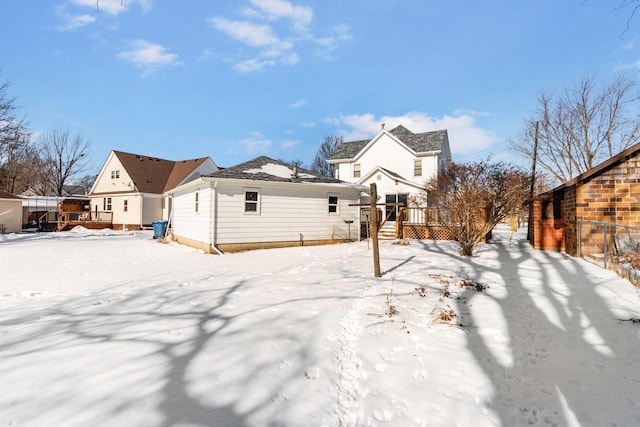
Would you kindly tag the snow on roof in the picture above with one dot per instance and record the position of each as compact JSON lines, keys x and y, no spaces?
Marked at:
{"x":278,"y":170}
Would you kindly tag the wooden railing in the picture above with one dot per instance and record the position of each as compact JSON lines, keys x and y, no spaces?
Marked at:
{"x":82,"y":218}
{"x":420,"y":216}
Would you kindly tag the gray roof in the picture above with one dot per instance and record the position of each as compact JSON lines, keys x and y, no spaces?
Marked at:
{"x":264,"y":168}
{"x":418,"y":142}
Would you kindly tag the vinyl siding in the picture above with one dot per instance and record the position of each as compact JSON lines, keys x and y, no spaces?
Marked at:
{"x":285,"y":212}
{"x":186,"y":222}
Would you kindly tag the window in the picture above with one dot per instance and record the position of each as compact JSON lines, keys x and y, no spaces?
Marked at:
{"x":251,"y":201}
{"x":106,"y":204}
{"x":356,"y":170}
{"x":125,"y":205}
{"x":333,"y":204}
{"x":197,"y":201}
{"x":115,"y":174}
{"x":417,"y":167}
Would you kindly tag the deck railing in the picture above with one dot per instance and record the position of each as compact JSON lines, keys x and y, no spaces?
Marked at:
{"x":85,"y":217}
{"x":419,"y":216}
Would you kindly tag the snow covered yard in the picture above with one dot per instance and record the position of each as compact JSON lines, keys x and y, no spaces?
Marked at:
{"x":115,"y":329}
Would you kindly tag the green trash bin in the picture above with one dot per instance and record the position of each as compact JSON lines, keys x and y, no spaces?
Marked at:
{"x":159,"y":229}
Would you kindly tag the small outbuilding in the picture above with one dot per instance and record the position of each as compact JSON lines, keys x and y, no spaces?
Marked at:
{"x":608,"y":193}
{"x":264,"y":203}
{"x":10,"y":213}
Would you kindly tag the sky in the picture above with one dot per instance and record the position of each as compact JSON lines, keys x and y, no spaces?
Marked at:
{"x":305,"y":336}
{"x":234,"y":80}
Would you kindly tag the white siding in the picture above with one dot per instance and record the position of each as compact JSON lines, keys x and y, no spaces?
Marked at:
{"x":151,"y":208}
{"x":106,"y":184}
{"x":186,"y":221}
{"x":11,"y":215}
{"x":286,"y":211}
{"x":385,"y":152}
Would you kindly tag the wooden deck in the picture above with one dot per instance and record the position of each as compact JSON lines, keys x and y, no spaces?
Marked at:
{"x":88,"y":219}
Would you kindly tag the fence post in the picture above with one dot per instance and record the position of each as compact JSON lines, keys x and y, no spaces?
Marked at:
{"x":579,"y":238}
{"x":605,"y":245}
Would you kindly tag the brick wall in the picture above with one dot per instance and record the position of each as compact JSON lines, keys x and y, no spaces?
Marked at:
{"x":613,"y":196}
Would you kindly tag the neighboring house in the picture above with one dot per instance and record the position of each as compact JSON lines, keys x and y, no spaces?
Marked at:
{"x":10,"y":213}
{"x":609,"y":192}
{"x":67,"y":191}
{"x":398,"y":161}
{"x":264,"y":203}
{"x":131,"y":186}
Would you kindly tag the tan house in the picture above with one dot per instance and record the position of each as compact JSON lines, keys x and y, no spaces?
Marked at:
{"x":132,"y":186}
{"x":10,"y":213}
{"x":609,"y":192}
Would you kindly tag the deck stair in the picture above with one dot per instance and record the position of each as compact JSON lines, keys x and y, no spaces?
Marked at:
{"x":387,"y":231}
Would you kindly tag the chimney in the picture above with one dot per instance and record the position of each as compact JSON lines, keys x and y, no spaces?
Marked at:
{"x":382,"y":124}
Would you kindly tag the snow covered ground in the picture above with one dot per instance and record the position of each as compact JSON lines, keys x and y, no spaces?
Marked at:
{"x":116,"y":329}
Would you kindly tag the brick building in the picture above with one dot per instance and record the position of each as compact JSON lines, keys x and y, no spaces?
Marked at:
{"x":609,"y":192}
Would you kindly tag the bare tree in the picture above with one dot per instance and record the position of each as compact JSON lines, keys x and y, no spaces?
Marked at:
{"x":64,"y":155}
{"x":472,"y":198}
{"x":582,"y":127}
{"x":328,"y":146}
{"x":14,"y":142}
{"x":86,"y":182}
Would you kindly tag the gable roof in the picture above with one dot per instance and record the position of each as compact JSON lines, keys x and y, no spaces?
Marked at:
{"x":264,"y":168}
{"x":595,"y":171}
{"x":155,"y":175}
{"x":418,"y":142}
{"x":7,"y":195}
{"x":393,"y":175}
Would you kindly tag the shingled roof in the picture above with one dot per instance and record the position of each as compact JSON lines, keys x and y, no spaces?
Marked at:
{"x":7,"y":195}
{"x":418,"y":142}
{"x":264,"y":168}
{"x":154,"y":175}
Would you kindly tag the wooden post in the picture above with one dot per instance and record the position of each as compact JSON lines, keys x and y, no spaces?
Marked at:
{"x":374,"y":230}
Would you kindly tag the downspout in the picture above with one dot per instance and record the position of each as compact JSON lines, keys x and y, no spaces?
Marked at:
{"x":213,"y":225}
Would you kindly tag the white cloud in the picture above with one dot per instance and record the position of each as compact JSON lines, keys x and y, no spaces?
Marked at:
{"x":289,"y":143}
{"x":148,"y":55}
{"x":337,"y":35}
{"x":298,"y":104}
{"x":112,"y":7}
{"x":251,"y":65}
{"x":246,"y":32}
{"x":465,"y":136}
{"x":76,"y":21}
{"x":256,"y":143}
{"x":275,"y":29}
{"x":300,"y":16}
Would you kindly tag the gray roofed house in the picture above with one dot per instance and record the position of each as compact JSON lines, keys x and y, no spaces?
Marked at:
{"x":419,"y":142}
{"x":399,"y":161}
{"x":264,"y":168}
{"x":264,"y":203}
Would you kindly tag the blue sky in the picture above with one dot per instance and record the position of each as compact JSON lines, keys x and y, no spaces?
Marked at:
{"x":236,"y":79}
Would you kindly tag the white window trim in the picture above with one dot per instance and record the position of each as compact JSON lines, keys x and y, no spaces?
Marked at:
{"x":359,"y":171}
{"x":258,"y":202}
{"x":337,"y":204}
{"x":417,"y":162}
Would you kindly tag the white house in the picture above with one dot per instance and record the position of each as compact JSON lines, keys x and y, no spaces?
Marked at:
{"x":264,"y":203}
{"x":10,"y":213}
{"x":398,"y":161}
{"x":132,"y":186}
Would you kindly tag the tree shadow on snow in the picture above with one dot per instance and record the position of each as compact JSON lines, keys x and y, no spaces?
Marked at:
{"x":566,"y":361}
{"x":198,"y":356}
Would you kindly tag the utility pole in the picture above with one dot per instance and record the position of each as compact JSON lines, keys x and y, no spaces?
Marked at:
{"x":535,"y":159}
{"x":373,"y":225}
